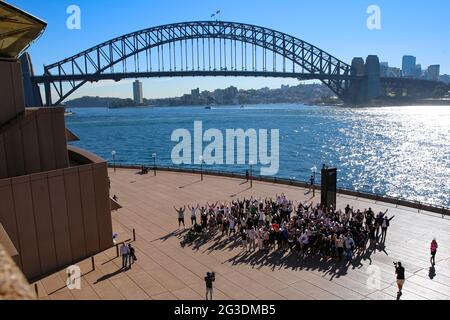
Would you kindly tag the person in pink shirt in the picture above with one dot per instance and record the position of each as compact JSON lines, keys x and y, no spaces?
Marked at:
{"x":433,"y":249}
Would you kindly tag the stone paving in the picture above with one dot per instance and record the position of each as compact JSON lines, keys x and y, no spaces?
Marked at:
{"x":165,"y":270}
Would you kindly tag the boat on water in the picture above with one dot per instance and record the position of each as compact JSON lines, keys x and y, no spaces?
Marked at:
{"x":242,"y":106}
{"x":208,"y":108}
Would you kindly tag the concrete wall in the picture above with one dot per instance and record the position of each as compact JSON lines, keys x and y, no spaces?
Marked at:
{"x":54,"y":215}
{"x":57,"y":218}
{"x":11,"y":90}
{"x":34,"y":142}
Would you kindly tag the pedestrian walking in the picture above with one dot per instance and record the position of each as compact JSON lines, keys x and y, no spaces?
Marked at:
{"x":400,"y":273}
{"x":311,"y":183}
{"x":433,"y":249}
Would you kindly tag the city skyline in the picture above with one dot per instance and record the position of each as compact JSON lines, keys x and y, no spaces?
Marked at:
{"x":348,"y":22}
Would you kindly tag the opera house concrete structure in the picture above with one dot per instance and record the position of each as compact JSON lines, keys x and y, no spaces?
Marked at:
{"x":55,"y":206}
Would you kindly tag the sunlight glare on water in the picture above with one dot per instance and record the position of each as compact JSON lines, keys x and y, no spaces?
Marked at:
{"x":397,"y":151}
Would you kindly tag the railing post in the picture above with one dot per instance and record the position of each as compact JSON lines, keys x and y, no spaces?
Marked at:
{"x":117,"y":250}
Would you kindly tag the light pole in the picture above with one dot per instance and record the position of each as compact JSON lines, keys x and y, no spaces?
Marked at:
{"x":113,"y":153}
{"x":154,"y":163}
{"x":201,"y":167}
{"x":251,"y":174}
{"x":313,"y":170}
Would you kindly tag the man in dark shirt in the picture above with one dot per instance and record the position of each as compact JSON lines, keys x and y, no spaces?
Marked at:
{"x":400,"y":272}
{"x":209,"y":279}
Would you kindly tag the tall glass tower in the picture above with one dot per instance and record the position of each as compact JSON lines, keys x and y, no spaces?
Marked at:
{"x":137,"y":92}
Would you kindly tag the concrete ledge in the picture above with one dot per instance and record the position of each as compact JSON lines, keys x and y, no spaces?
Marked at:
{"x":81,"y":156}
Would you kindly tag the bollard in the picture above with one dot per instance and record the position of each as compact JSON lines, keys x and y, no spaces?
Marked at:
{"x":134,"y":235}
{"x":93,"y":263}
{"x":117,"y":250}
{"x":36,"y":290}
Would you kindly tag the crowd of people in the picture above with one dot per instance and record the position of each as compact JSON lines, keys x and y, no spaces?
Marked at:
{"x":280,"y":224}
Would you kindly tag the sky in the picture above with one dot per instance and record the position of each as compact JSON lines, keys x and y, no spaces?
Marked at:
{"x":415,"y":27}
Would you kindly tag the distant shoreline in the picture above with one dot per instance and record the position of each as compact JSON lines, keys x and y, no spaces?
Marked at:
{"x":374,"y":105}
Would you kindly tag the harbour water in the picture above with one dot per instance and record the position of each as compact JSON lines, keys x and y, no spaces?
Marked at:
{"x":396,"y":151}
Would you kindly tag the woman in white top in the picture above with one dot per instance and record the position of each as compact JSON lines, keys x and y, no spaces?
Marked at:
{"x":261,"y":219}
{"x":193,"y":215}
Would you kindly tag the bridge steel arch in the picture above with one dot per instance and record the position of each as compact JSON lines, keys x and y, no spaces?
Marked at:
{"x":98,"y":62}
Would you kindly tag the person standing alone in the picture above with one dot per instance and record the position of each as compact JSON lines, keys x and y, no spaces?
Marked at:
{"x":209,"y":279}
{"x":433,"y":249}
{"x":125,"y":252}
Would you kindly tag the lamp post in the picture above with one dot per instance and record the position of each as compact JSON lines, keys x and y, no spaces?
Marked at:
{"x":154,"y":163}
{"x":313,"y":170}
{"x":113,"y":153}
{"x":251,"y":174}
{"x":201,"y":167}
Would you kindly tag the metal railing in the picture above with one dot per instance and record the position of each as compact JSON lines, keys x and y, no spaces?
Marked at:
{"x":397,"y":201}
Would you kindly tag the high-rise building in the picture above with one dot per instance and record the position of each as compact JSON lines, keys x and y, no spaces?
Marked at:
{"x":408,"y":66}
{"x":137,"y":92}
{"x":433,"y":72}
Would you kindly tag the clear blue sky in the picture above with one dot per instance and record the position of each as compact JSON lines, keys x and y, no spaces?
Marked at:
{"x":420,"y":28}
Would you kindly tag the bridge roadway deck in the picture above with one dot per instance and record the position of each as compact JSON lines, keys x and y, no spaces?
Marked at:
{"x":165,"y":270}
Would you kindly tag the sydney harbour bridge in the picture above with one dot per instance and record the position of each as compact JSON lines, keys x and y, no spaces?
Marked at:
{"x":217,"y":48}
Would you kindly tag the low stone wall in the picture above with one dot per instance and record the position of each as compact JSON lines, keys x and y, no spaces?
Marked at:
{"x":353,"y":193}
{"x":13,"y":285}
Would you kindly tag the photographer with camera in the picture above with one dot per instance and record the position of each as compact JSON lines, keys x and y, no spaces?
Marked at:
{"x":209,"y":279}
{"x":400,"y":272}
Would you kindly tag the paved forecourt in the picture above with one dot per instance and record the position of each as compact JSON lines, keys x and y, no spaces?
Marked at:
{"x":165,"y":270}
